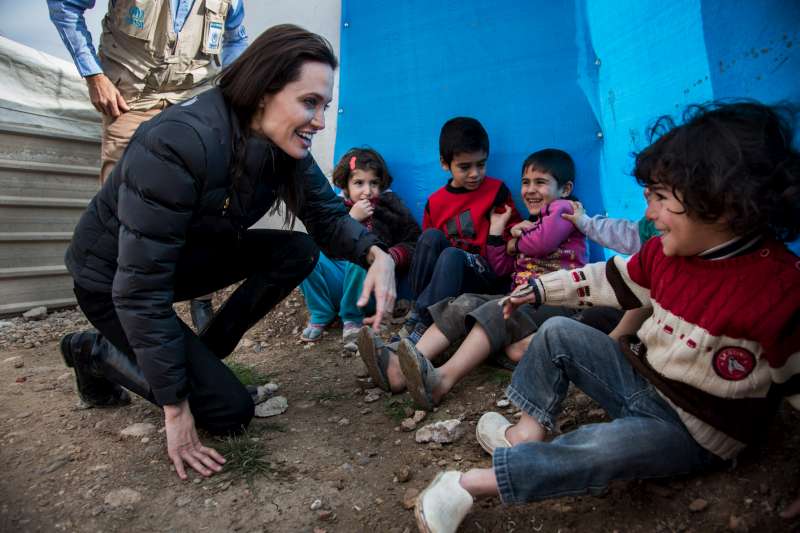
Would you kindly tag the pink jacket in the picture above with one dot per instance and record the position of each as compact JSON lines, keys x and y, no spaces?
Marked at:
{"x":552,"y":244}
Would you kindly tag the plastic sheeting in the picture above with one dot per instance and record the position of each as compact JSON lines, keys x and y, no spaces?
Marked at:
{"x":42,"y":91}
{"x":587,"y":77}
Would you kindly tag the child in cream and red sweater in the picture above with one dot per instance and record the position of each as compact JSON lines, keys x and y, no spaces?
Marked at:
{"x":699,"y":381}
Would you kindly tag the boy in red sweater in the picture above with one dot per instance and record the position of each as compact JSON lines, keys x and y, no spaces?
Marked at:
{"x":699,"y":380}
{"x":450,"y":257}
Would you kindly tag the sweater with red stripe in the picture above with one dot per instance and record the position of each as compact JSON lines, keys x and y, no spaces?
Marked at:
{"x":723,"y":343}
{"x":463,"y":215}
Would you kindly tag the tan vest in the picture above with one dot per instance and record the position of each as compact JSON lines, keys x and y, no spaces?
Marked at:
{"x":149,"y":62}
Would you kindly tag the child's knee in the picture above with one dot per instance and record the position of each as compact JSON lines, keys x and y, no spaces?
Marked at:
{"x":451,"y":258}
{"x":433,"y":237}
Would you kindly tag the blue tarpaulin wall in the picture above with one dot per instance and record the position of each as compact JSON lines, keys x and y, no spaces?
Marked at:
{"x":587,"y":77}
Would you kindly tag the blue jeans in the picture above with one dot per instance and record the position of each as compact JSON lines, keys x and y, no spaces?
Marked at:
{"x":645,"y":439}
{"x":439,"y":271}
{"x":334,"y":288}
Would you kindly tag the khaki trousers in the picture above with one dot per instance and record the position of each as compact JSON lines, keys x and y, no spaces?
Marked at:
{"x":117,"y":132}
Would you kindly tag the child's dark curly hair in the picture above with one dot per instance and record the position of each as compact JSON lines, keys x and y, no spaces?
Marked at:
{"x":732,"y":161}
{"x":363,"y":159}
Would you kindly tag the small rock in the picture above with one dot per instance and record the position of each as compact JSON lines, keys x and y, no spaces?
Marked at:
{"x":403,"y":474}
{"x":410,"y":498}
{"x":408,"y":424}
{"x":316,"y":504}
{"x":326,"y":516}
{"x":5,"y":324}
{"x":37,"y":313}
{"x":263,"y":392}
{"x":120,"y":497}
{"x":140,"y":429}
{"x":419,"y":416}
{"x":344,"y":422}
{"x":444,"y":431}
{"x":21,"y":379}
{"x":698,"y":505}
{"x":183,"y":501}
{"x":372,"y":397}
{"x":247,"y":343}
{"x":273,"y":406}
{"x":16,"y":362}
{"x":503,"y":403}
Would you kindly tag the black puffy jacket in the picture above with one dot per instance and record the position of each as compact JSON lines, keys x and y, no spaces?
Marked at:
{"x":173,"y":186}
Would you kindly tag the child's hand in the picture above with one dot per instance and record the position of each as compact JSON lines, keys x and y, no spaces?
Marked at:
{"x":362,"y":210}
{"x":577,"y":212}
{"x":520,"y":227}
{"x":511,"y":246}
{"x":499,"y":220}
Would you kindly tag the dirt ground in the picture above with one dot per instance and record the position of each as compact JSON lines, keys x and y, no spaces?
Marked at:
{"x":70,"y":469}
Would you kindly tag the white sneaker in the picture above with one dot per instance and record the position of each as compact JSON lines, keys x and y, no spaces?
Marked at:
{"x":491,"y":432}
{"x":442,"y":506}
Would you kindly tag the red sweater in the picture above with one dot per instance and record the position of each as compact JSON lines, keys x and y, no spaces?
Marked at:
{"x":464,"y":215}
{"x":723,"y":343}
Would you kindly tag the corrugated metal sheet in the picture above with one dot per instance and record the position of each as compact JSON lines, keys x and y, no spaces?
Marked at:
{"x":46,"y":180}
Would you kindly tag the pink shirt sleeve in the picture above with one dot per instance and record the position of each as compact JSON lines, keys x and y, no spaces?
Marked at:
{"x":501,"y":262}
{"x":549,"y":233}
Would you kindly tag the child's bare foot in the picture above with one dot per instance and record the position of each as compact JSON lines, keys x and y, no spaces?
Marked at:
{"x":516,"y":350}
{"x":397,"y":381}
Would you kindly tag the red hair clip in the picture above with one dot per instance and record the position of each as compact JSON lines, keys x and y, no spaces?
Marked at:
{"x":353,"y":163}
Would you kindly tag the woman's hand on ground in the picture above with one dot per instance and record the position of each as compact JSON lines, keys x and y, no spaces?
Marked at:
{"x":362,"y":210}
{"x":105,"y":97}
{"x":183,"y":444}
{"x":380,"y":281}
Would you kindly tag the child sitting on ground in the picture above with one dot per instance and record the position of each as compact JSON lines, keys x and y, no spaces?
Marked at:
{"x":701,"y":378}
{"x":335,"y":286}
{"x":450,"y":257}
{"x":541,"y":244}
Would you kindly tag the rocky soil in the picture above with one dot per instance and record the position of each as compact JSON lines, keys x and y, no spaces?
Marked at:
{"x":342,"y":458}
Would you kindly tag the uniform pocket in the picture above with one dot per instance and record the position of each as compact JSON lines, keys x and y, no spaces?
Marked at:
{"x":137,"y":18}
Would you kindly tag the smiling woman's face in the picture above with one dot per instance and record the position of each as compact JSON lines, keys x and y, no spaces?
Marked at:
{"x":291,"y":117}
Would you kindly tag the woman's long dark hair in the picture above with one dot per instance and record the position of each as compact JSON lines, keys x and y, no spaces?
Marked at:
{"x":273,"y":60}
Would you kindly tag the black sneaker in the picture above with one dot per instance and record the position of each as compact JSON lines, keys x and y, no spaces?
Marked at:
{"x":94,"y":390}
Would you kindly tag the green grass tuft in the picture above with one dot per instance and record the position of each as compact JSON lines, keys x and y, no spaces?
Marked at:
{"x":395,"y":408}
{"x":247,"y":374}
{"x":244,"y":456}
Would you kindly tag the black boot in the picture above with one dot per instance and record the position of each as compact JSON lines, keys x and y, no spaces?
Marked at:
{"x":120,"y":368}
{"x":202,"y":312}
{"x":93,"y":388}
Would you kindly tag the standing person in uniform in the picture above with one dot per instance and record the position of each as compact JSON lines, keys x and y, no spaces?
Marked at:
{"x":153,"y":53}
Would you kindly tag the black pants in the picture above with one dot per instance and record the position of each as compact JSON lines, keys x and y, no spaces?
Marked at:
{"x":440,"y":271}
{"x":270,"y":262}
